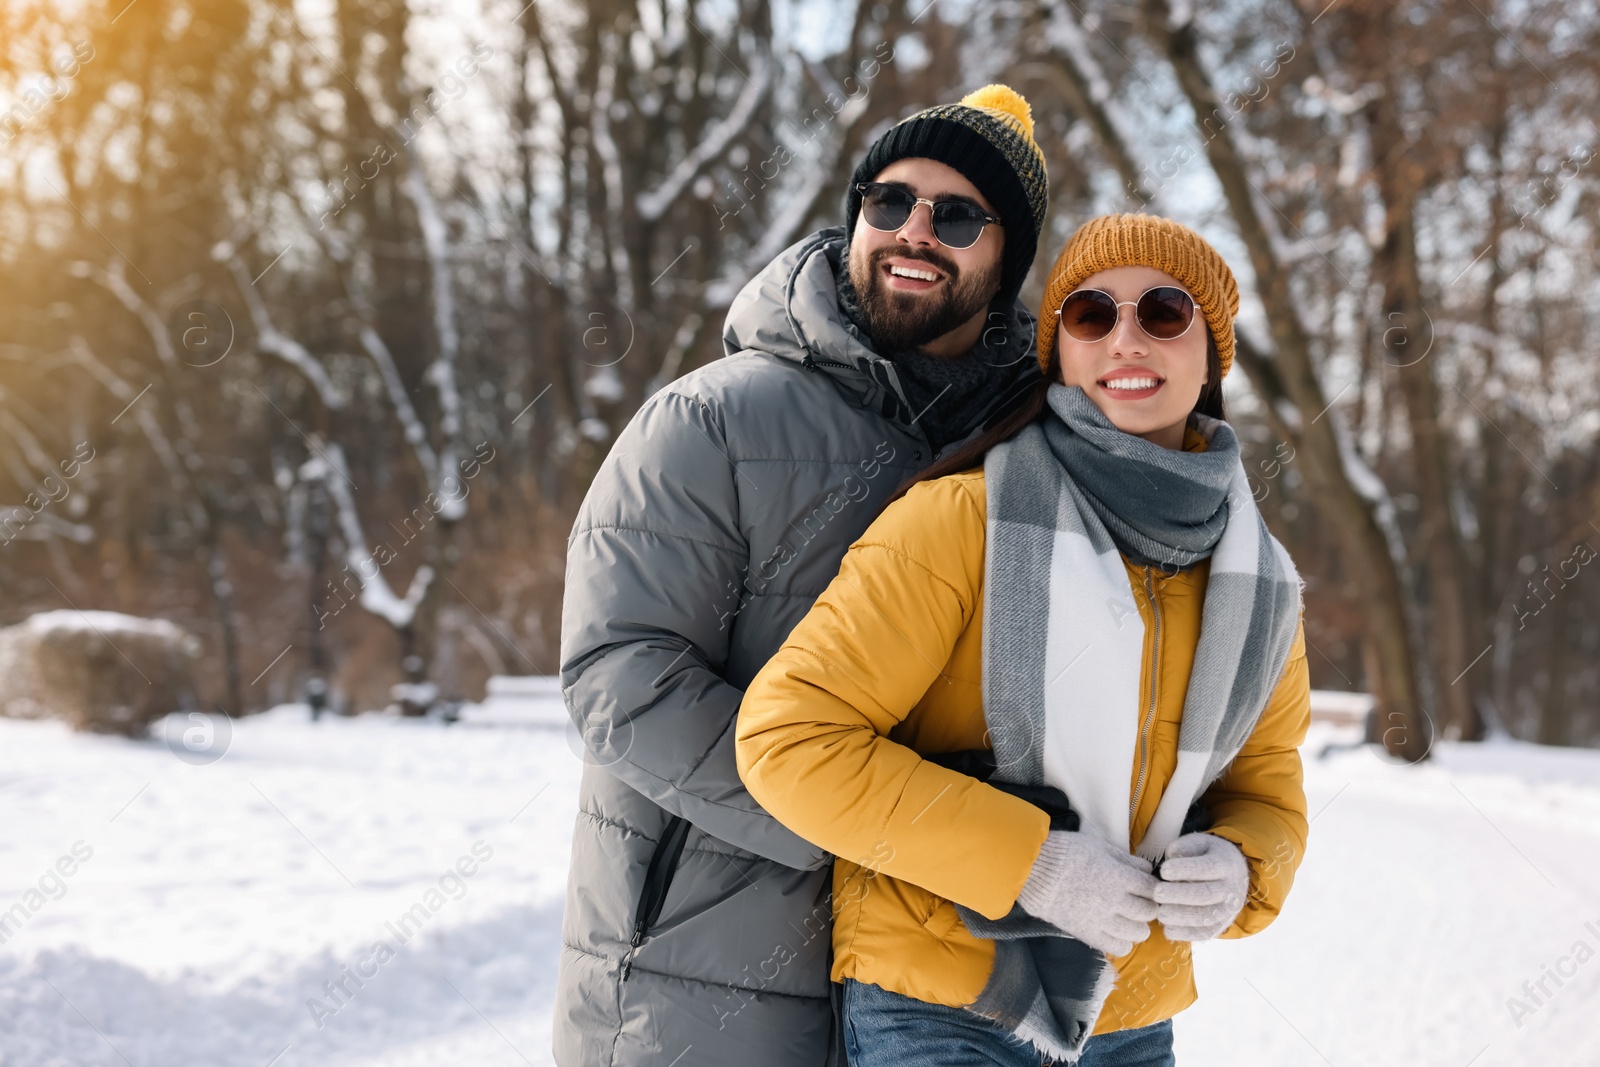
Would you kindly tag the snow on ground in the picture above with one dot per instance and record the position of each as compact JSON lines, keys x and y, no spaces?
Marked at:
{"x":1428,"y":896}
{"x":207,"y":904}
{"x":219,"y":899}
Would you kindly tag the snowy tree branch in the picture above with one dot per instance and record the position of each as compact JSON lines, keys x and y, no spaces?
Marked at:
{"x":788,"y":225}
{"x":270,"y":340}
{"x":27,"y":444}
{"x":114,"y":279}
{"x":611,"y":171}
{"x":654,"y":203}
{"x":149,"y":425}
{"x":416,"y":434}
{"x":442,"y":372}
{"x":1095,"y":96}
{"x":328,"y":466}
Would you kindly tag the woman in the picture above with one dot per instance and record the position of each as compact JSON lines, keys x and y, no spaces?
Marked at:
{"x":1048,"y":713}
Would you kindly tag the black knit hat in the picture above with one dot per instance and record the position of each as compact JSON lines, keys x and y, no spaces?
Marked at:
{"x":988,"y":137}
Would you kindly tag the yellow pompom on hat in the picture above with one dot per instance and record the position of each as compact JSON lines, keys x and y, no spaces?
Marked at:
{"x":988,"y":137}
{"x":1006,"y":104}
{"x":1142,"y":241}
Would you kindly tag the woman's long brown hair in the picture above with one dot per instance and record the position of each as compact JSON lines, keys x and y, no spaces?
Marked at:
{"x":1032,"y":406}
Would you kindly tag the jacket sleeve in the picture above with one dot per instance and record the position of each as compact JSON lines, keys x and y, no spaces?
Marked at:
{"x":1260,"y":803}
{"x":654,"y":567}
{"x":814,"y":743}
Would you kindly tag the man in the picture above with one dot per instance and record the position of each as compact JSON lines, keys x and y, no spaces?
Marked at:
{"x":697,"y":929}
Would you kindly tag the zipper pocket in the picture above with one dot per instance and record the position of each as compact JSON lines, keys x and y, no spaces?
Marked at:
{"x":657,"y":880}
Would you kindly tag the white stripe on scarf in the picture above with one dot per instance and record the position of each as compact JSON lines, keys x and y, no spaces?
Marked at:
{"x":1095,"y":662}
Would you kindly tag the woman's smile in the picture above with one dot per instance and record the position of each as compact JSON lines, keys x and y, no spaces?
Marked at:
{"x":1130,"y":384}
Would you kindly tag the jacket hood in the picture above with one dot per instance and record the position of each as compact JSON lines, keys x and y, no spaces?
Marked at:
{"x":791,"y":310}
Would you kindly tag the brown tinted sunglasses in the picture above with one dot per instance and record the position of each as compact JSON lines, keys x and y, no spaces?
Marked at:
{"x":1165,"y":312}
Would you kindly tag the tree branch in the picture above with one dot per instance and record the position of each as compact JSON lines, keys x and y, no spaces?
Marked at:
{"x":114,"y":279}
{"x":442,"y":372}
{"x":655,"y":203}
{"x":1088,"y":83}
{"x":328,"y":466}
{"x":269,"y":339}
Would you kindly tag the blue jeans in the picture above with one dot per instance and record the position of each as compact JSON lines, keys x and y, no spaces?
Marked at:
{"x":884,"y":1029}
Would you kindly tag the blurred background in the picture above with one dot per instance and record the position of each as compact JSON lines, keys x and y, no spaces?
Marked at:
{"x":317,"y":317}
{"x":331,"y":309}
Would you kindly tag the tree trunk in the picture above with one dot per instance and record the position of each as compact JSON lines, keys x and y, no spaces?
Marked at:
{"x":1289,"y":375}
{"x":1407,"y":324}
{"x":227,"y":619}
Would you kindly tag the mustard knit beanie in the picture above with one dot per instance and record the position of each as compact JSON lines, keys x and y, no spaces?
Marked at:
{"x":988,"y":137}
{"x":1142,"y":241}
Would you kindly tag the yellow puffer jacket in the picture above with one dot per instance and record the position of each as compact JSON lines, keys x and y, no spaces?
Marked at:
{"x":886,"y":667}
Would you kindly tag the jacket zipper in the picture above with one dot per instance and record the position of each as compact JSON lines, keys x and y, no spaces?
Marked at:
{"x":1155,"y":672}
{"x":811,"y":362}
{"x":657,"y":880}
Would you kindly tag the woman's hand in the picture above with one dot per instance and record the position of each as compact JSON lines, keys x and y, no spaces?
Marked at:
{"x":1204,"y":879}
{"x":1086,"y":887}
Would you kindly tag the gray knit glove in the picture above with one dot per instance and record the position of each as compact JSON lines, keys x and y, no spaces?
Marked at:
{"x":1088,"y":888}
{"x":1204,"y":880}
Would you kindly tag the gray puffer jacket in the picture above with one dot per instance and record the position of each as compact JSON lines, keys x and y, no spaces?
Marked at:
{"x":697,"y":928}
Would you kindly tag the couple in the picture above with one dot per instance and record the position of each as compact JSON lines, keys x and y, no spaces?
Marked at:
{"x":940,"y":683}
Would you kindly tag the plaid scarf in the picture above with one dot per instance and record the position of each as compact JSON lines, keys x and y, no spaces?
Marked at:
{"x":1063,"y":654}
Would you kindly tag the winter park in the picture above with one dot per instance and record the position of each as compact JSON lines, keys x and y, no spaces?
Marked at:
{"x":799,"y":533}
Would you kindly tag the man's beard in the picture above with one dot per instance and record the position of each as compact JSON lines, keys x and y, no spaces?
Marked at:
{"x":899,"y":322}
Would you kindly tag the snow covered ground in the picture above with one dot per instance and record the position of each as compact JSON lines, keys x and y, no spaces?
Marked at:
{"x":1428,"y":897}
{"x":163,"y":911}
